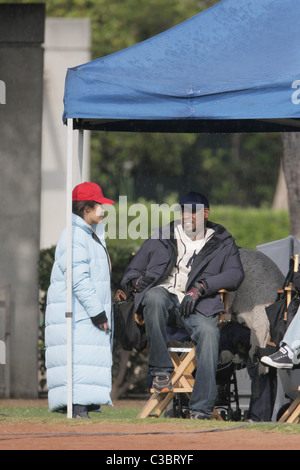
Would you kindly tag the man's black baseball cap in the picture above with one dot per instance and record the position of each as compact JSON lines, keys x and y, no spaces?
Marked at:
{"x":193,"y":199}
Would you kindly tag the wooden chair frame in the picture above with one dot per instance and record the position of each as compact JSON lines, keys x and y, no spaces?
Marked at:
{"x":292,"y":414}
{"x":184,"y":360}
{"x":181,"y":379}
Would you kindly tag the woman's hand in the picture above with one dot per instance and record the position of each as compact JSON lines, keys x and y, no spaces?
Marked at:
{"x":104,"y":327}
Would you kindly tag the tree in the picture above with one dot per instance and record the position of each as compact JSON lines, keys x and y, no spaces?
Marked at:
{"x":280,"y":201}
{"x":291,"y":168}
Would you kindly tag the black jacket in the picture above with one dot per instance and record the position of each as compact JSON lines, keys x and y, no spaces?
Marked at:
{"x":217,"y":266}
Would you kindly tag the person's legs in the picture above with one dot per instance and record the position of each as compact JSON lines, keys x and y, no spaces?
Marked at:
{"x":288,"y":354}
{"x":162,"y":308}
{"x":80,"y":411}
{"x":292,"y":334}
{"x":158,"y":304}
{"x":205,"y":334}
{"x":263,"y":393}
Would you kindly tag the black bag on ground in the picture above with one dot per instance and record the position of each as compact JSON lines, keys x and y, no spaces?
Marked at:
{"x":130,"y":332}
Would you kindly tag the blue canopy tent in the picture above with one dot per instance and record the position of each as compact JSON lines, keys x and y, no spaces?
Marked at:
{"x":232,"y":68}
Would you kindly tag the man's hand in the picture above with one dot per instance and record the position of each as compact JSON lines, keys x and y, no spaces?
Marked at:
{"x":190,"y":301}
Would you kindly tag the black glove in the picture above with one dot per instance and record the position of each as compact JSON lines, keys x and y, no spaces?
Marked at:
{"x":190,"y":301}
{"x":99,"y":319}
{"x":142,"y":283}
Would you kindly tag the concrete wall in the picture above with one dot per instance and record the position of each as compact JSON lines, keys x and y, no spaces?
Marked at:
{"x":67,"y":44}
{"x":33,"y":146}
{"x":21,"y":69}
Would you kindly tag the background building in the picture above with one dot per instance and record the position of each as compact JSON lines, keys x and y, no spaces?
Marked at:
{"x":34,"y":57}
{"x":67,"y":44}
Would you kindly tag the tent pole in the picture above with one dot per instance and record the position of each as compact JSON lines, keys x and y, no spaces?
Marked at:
{"x":80,"y":152}
{"x":69,"y":313}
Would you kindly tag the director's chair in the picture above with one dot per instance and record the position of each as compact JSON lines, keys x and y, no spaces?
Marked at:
{"x":182,"y":379}
{"x":292,"y":414}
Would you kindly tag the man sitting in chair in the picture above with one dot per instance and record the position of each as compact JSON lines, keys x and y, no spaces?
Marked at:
{"x":176,"y":275}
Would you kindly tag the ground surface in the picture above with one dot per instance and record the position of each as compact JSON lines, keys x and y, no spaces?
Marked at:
{"x":157,"y":435}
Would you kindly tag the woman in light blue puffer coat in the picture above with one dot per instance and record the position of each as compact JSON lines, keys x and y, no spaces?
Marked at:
{"x":91,"y":307}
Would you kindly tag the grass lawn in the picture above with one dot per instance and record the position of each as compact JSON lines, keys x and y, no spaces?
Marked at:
{"x":126,"y":415}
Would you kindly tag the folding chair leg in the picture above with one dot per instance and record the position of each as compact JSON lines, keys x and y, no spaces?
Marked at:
{"x":292,"y":414}
{"x":157,"y":402}
{"x":150,"y":406}
{"x":183,"y":366}
{"x":182,"y":382}
{"x":216,"y":415}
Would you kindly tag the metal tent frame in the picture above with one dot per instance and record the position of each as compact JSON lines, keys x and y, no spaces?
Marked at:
{"x":139,"y":111}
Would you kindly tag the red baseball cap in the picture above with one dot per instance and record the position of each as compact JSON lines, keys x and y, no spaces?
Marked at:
{"x":89,"y":192}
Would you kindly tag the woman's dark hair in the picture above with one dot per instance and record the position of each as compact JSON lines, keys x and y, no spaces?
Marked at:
{"x":79,"y":206}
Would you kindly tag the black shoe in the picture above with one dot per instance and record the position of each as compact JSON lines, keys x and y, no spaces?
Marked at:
{"x":162,"y":384}
{"x":80,"y":412}
{"x":279,"y":360}
{"x":199,"y":415}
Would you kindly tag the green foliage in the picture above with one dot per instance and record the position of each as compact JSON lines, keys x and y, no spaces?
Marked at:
{"x":154,"y":165}
{"x":46,"y":260}
{"x":230,"y":169}
{"x":120,"y":253}
{"x":252,"y":227}
{"x":45,"y":265}
{"x":118,"y":24}
{"x":239,"y":169}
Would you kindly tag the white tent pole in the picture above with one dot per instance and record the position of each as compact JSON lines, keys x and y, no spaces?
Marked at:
{"x":69,"y":313}
{"x":80,"y":152}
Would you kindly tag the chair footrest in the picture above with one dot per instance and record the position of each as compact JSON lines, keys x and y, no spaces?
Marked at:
{"x":180,"y":350}
{"x":160,"y":393}
{"x":175,"y":390}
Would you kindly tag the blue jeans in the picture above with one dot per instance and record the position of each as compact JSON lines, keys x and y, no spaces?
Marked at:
{"x":292,"y":334}
{"x":161,"y":309}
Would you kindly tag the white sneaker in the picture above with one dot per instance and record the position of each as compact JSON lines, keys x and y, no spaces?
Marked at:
{"x":280,"y":359}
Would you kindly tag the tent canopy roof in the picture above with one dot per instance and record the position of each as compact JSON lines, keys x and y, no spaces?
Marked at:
{"x":233,"y":67}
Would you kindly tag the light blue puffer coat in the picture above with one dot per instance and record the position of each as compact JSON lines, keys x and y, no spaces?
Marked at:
{"x":92,"y":347}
